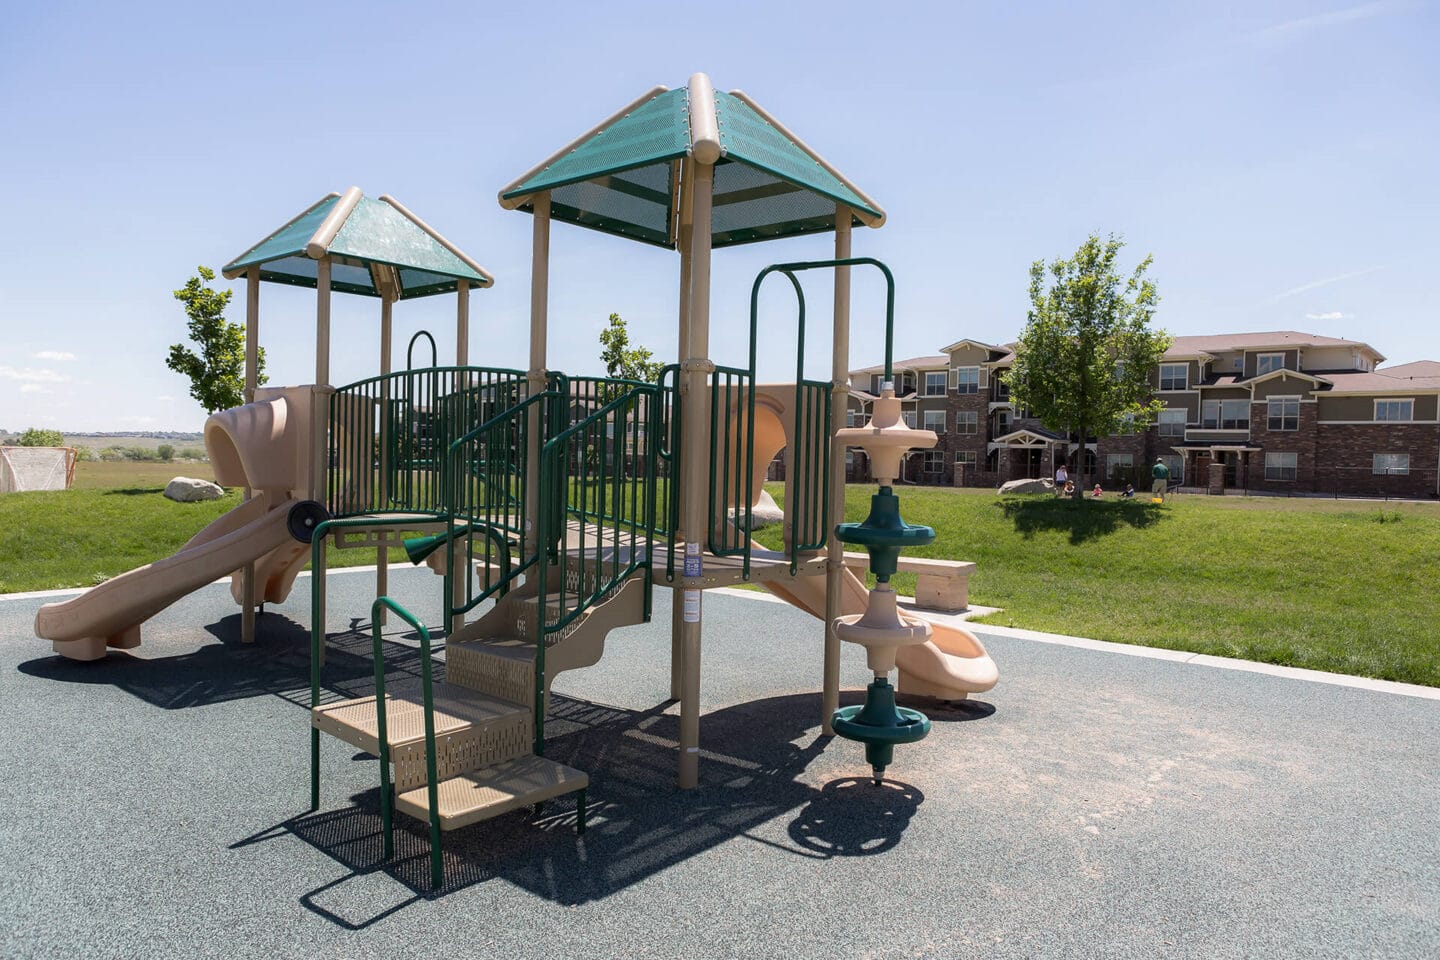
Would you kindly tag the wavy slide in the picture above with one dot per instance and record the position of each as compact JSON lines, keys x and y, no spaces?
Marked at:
{"x":110,"y":614}
{"x":951,"y":665}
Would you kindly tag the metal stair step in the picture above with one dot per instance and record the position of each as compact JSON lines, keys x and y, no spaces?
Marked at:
{"x":482,"y":794}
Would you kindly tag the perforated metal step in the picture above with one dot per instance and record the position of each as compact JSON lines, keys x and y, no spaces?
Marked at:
{"x":487,"y":793}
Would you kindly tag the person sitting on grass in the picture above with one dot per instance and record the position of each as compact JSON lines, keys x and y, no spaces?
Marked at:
{"x":1096,"y":492}
{"x":1129,"y":491}
{"x":1069,"y":488}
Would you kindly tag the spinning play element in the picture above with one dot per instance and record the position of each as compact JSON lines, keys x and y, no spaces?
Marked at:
{"x":882,"y":629}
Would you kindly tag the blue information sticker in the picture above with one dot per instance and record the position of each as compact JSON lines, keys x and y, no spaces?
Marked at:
{"x":693,"y":567}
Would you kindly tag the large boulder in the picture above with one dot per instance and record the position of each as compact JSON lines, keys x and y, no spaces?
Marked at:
{"x":1038,"y":485}
{"x":190,"y":490}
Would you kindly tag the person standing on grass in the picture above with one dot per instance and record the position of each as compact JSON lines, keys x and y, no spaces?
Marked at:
{"x":1161,"y":473}
{"x":1061,"y":478}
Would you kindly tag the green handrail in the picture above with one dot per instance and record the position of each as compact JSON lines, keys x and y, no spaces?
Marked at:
{"x":432,"y":791}
{"x":555,"y":460}
{"x":670,"y":452}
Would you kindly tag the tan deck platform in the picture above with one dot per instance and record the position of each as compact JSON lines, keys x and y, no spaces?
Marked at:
{"x":487,"y":793}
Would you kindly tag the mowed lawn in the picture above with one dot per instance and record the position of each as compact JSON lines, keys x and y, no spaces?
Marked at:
{"x":1343,"y":586}
{"x":114,"y":518}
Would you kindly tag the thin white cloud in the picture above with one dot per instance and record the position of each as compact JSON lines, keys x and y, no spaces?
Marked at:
{"x":138,"y":421}
{"x":1332,"y":315}
{"x":54,"y":355}
{"x":32,"y":374}
{"x":1290,"y":29}
{"x":32,"y":388}
{"x":1316,"y":284}
{"x":165,"y":399}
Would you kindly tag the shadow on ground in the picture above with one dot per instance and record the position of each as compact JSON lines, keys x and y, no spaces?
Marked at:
{"x":639,"y":822}
{"x":1084,"y":521}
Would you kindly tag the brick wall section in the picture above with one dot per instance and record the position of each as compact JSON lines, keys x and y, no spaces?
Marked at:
{"x":1301,"y":442}
{"x":975,"y":403}
{"x":1138,"y":445}
{"x":1346,"y":463}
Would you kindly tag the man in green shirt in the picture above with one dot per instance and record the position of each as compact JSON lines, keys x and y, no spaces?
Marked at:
{"x":1161,"y":473}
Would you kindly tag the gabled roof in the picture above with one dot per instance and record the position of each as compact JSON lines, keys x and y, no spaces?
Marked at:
{"x":972,"y":343}
{"x":622,"y":177}
{"x":1285,"y":374}
{"x":373,"y":245}
{"x":912,"y":364}
{"x":1025,"y":435}
{"x":1418,"y":370}
{"x":1206,"y":346}
{"x":1379,"y":382}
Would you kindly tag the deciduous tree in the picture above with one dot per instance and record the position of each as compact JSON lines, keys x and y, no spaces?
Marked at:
{"x":1083,"y":364}
{"x":217,"y":370}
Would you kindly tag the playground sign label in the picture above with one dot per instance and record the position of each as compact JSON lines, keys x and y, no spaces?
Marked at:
{"x":693,"y":564}
{"x":691,"y":610}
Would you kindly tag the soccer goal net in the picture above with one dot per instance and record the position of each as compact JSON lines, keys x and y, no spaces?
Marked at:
{"x":36,"y":468}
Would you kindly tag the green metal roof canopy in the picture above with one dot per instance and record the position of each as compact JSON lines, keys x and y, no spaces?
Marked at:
{"x":623,"y":176}
{"x":377,"y":248}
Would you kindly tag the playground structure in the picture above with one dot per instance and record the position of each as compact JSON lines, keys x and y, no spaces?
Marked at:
{"x":562,"y":501}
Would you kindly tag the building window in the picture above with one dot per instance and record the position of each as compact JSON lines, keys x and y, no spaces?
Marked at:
{"x":935,"y":420}
{"x":1225,"y":415}
{"x":1119,"y":468}
{"x":1002,"y":422}
{"x":967,"y":379}
{"x":935,"y":383}
{"x":1268,"y":363}
{"x":1002,"y":388}
{"x":967,"y":422}
{"x":849,"y":459}
{"x":1172,"y":422}
{"x":1391,"y":464}
{"x":965,"y":457}
{"x":1279,"y":466}
{"x":1394,"y":409}
{"x":909,"y":416}
{"x":934,"y":461}
{"x":1174,"y":376}
{"x":876,"y":380}
{"x":1284,"y":413}
{"x":851,"y":416}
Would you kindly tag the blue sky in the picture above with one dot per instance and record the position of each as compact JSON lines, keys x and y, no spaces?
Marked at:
{"x":1278,"y":159}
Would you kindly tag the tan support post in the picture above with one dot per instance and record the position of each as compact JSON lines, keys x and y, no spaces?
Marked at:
{"x":684,"y":241}
{"x":382,"y":553}
{"x":252,"y":377}
{"x":319,"y":406}
{"x":835,"y":567}
{"x":539,"y":317}
{"x":694,"y":503}
{"x":462,"y":323}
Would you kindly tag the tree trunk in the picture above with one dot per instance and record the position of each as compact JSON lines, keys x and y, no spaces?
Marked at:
{"x":1079,"y":458}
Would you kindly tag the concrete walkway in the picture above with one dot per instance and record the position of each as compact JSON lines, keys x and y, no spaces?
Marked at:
{"x":1095,"y":804}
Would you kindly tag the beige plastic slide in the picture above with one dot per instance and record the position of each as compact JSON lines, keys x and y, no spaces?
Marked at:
{"x":263,"y":445}
{"x":110,"y":614}
{"x":951,"y":665}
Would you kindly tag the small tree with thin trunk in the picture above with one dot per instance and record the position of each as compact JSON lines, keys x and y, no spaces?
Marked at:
{"x":622,"y":360}
{"x":1083,"y":364}
{"x":217,"y":370}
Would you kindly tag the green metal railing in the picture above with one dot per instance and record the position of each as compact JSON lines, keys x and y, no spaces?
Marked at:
{"x":808,"y":456}
{"x":668,"y":429}
{"x":427,"y":688}
{"x":388,"y":434}
{"x":600,"y":471}
{"x":732,"y":460}
{"x":487,"y":487}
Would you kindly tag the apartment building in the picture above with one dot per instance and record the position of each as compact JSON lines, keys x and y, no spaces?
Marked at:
{"x":1279,"y":411}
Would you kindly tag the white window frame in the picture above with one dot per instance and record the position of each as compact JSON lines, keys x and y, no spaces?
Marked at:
{"x":1218,"y":423}
{"x":967,"y":384}
{"x":1184,"y":376}
{"x":1270,"y":416}
{"x":1161,"y":422}
{"x":852,"y":416}
{"x":967,"y":422}
{"x":909,"y":417}
{"x":927,"y":419}
{"x":1407,"y":405}
{"x":1113,"y":460}
{"x":933,"y":462}
{"x":1390,"y":464}
{"x":935,"y":388}
{"x":968,"y":457}
{"x":1261,"y":358}
{"x":1276,"y":466}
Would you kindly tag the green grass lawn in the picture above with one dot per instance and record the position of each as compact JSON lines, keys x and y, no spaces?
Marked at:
{"x":114,"y":519}
{"x":1343,"y":586}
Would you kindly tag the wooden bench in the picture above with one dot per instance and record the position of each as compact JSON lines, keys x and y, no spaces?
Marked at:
{"x":939,"y":585}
